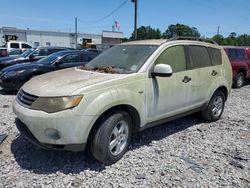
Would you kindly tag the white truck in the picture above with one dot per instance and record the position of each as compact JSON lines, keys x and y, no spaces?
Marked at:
{"x":11,"y":45}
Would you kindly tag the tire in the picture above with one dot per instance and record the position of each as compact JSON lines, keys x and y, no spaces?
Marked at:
{"x":116,"y":129}
{"x":215,"y":107}
{"x":239,"y":80}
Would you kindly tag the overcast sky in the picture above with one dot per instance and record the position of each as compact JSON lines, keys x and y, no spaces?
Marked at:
{"x":95,"y":15}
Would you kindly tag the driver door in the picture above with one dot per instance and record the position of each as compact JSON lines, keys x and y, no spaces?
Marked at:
{"x":168,"y":96}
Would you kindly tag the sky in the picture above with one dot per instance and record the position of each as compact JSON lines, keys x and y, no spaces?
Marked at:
{"x":97,"y":15}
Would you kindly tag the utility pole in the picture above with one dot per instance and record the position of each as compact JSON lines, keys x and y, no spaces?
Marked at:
{"x":135,"y":18}
{"x":218,"y":30}
{"x":76,"y":30}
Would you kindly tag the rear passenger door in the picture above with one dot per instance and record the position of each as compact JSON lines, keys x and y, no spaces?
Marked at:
{"x":205,"y":65}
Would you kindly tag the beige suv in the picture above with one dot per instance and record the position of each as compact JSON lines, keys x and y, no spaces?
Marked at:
{"x":128,"y":88}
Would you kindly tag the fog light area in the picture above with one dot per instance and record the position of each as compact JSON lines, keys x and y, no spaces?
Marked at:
{"x":52,"y":134}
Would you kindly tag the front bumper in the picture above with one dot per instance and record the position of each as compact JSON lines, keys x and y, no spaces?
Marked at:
{"x":71,"y":129}
{"x":23,"y":129}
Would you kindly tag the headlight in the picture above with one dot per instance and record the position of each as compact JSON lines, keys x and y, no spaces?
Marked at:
{"x":13,"y":73}
{"x":55,"y":104}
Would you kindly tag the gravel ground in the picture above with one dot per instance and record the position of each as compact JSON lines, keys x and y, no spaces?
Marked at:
{"x":184,"y":153}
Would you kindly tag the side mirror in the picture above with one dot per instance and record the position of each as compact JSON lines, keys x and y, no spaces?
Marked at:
{"x":162,"y":70}
{"x":32,"y":57}
{"x":58,"y":63}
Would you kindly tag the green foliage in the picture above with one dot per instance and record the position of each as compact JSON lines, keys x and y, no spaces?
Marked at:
{"x":147,"y":33}
{"x":233,"y":40}
{"x":180,"y":30}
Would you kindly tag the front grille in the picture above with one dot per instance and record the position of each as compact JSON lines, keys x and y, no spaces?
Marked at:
{"x":25,"y":99}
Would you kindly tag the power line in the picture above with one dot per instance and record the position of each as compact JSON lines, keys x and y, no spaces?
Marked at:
{"x":108,"y":15}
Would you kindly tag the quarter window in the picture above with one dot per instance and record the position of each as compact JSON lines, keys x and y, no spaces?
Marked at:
{"x":175,"y":57}
{"x":215,"y":56}
{"x":199,"y":57}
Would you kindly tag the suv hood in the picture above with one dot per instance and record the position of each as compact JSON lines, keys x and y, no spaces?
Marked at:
{"x":65,"y":82}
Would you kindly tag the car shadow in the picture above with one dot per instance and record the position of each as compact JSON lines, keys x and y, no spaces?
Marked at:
{"x":247,"y":82}
{"x":6,"y":92}
{"x":42,"y":161}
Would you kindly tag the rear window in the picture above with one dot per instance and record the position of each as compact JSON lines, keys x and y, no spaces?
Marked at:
{"x":215,"y":56}
{"x":199,"y":57}
{"x":14,"y":45}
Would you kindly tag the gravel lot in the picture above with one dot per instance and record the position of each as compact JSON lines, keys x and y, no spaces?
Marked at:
{"x":184,"y":153}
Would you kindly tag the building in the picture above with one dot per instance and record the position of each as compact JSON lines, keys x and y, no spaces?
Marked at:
{"x":56,"y":38}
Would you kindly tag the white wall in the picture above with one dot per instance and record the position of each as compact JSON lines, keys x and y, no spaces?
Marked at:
{"x":62,"y":40}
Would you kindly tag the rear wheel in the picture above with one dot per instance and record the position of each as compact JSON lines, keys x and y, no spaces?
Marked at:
{"x":215,"y":107}
{"x":239,"y":80}
{"x":112,"y":138}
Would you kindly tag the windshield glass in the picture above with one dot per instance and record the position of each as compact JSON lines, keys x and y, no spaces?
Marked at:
{"x":49,"y":59}
{"x":26,"y":53}
{"x":122,"y":59}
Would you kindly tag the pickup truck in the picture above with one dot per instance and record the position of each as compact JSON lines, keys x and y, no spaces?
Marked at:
{"x":240,"y":61}
{"x":12,"y":45}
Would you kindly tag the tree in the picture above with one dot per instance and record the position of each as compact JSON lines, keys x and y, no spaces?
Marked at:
{"x":181,"y":30}
{"x":146,"y":32}
{"x":233,"y":39}
{"x":218,"y":38}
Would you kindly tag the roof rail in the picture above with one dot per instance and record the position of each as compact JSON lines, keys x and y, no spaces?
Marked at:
{"x":192,"y":38}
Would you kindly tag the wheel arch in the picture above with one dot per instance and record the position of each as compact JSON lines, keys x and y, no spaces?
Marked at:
{"x":224,"y":90}
{"x":134,"y":114}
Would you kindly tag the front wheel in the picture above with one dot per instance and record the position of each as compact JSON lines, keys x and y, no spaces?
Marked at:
{"x":215,"y":107}
{"x":112,"y":138}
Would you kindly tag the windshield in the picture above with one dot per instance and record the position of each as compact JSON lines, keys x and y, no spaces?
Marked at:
{"x":122,"y":59}
{"x":49,"y":59}
{"x":26,"y":53}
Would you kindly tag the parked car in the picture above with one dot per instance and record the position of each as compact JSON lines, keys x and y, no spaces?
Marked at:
{"x":92,"y":50}
{"x":3,"y":52}
{"x":240,"y":60}
{"x":127,"y":88}
{"x":16,"y":52}
{"x":13,"y":77}
{"x":30,"y":55}
{"x":12,"y":45}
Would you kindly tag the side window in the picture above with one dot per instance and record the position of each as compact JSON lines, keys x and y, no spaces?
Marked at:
{"x":199,"y":57}
{"x":232,"y":53}
{"x":53,"y":50}
{"x":40,"y":52}
{"x":14,"y":45}
{"x":43,"y":52}
{"x":85,"y":57}
{"x":215,"y":56}
{"x":175,"y":57}
{"x":26,"y":46}
{"x":70,"y":58}
{"x":241,"y":53}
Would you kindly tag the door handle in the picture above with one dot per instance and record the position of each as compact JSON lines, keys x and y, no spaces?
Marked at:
{"x":186,"y":79}
{"x":214,"y":73}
